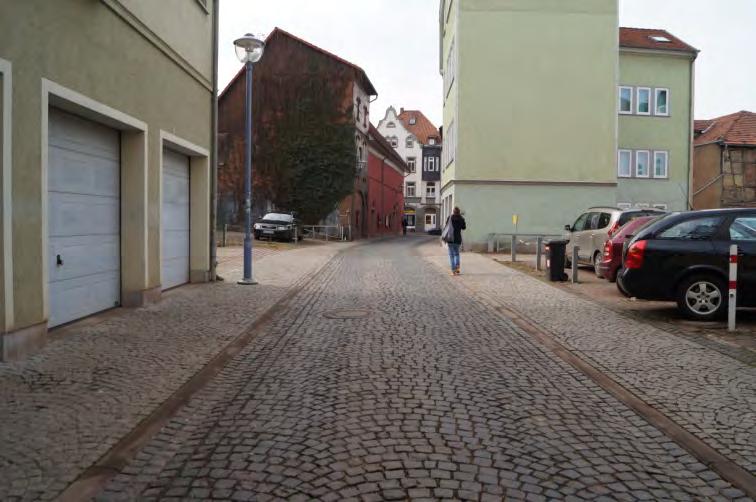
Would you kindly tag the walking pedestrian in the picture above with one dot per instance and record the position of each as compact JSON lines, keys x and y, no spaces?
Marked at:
{"x":453,"y":237}
{"x":404,"y":225}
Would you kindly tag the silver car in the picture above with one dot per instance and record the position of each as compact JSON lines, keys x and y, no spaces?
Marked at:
{"x":592,"y":229}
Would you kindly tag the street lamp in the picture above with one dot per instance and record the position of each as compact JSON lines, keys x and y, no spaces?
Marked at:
{"x":249,"y":50}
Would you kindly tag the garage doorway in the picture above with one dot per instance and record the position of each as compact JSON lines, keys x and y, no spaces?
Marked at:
{"x":175,"y":220}
{"x":83,"y":191}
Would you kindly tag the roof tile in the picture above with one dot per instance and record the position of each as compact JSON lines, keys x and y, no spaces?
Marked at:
{"x":422,"y":129}
{"x":640,"y":38}
{"x":734,"y":129}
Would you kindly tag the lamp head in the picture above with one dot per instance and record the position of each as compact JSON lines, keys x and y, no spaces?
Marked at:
{"x":249,"y":48}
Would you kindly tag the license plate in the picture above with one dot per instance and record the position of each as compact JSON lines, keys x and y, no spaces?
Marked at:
{"x":268,"y":231}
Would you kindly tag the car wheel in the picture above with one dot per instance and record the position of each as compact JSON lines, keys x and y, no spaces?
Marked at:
{"x":702,"y":297}
{"x":597,"y":264}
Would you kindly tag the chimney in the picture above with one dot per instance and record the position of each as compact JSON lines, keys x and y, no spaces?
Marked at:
{"x":401,"y":110}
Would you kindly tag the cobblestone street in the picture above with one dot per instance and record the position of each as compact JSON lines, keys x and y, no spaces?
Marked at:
{"x":388,"y":379}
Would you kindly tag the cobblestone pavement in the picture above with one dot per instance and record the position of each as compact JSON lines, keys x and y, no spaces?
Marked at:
{"x":61,"y":409}
{"x":710,"y":394}
{"x":430,"y":395}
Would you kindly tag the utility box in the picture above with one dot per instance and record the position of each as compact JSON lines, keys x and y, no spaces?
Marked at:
{"x":555,"y":254}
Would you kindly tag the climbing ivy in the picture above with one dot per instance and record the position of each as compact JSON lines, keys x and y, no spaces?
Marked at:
{"x":305,"y":155}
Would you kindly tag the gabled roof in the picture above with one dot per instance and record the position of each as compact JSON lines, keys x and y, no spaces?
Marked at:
{"x":377,"y":140}
{"x":736,"y":129}
{"x":641,"y":38}
{"x":360,"y":74}
{"x":700,"y":126}
{"x":422,"y":129}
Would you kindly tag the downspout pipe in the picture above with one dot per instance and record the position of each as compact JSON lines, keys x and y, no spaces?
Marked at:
{"x":214,"y":148}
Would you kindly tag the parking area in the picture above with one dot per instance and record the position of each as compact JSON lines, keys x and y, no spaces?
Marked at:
{"x":740,"y":343}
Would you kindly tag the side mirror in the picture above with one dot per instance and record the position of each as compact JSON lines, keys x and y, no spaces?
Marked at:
{"x":568,"y":228}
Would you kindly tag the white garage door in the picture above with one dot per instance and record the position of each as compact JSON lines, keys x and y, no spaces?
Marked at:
{"x":84,"y":256}
{"x":175,"y":219}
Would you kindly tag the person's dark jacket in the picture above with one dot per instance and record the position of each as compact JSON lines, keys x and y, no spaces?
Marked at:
{"x":458,"y":223}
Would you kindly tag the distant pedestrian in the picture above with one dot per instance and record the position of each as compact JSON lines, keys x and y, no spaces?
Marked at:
{"x":452,"y":235}
{"x":404,"y":225}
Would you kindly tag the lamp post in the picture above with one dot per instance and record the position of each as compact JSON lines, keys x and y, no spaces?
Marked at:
{"x":249,"y":50}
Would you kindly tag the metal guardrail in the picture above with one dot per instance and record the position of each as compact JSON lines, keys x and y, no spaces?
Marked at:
{"x":327,"y":232}
{"x":521,"y":243}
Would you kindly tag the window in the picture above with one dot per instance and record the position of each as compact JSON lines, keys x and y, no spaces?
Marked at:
{"x":660,"y":164}
{"x":641,"y":205}
{"x":661,"y":102}
{"x":412,"y":121}
{"x":624,"y":160}
{"x":411,"y":220}
{"x":390,"y":125}
{"x":743,"y":229}
{"x":644,"y":101}
{"x":695,"y":229}
{"x":394,"y":142}
{"x":641,"y":163}
{"x":449,"y":147}
{"x":626,"y":99}
{"x":359,"y":103}
{"x":430,"y":220}
{"x":411,"y":164}
{"x":409,"y":143}
{"x":430,"y":164}
{"x":450,"y":69}
{"x":603,"y":220}
{"x":432,"y":141}
{"x":659,"y":38}
{"x":663,"y":207}
{"x":364,"y":116}
{"x":410,"y":189}
{"x":624,"y":205}
{"x":583,"y":222}
{"x":430,"y":190}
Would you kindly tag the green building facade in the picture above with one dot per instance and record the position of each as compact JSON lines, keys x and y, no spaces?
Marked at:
{"x":534,"y":123}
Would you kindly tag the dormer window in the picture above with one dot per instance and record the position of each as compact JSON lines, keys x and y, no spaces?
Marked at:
{"x":431,"y":141}
{"x":390,"y":124}
{"x":412,"y":121}
{"x":660,"y":38}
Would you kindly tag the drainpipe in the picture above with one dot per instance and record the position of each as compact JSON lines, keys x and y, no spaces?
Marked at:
{"x":214,"y":147}
{"x":383,"y":194}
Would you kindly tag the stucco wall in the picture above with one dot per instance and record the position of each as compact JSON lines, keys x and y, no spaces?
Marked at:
{"x":537,"y":90}
{"x":89,"y":49}
{"x":658,"y":133}
{"x":540,"y":209}
{"x":707,"y":167}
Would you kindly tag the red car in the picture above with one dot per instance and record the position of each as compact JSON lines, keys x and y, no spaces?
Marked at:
{"x":611,"y":260}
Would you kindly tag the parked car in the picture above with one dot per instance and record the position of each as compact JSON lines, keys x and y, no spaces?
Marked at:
{"x":282,"y":226}
{"x":592,"y":228}
{"x":684,"y":257}
{"x":611,"y":259}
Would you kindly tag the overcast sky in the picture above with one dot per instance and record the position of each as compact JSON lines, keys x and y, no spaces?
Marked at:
{"x":396,"y":43}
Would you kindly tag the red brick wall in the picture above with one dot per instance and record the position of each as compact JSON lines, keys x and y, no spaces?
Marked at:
{"x":385,"y":198}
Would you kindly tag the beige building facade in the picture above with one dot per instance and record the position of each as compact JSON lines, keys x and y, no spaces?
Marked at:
{"x":106,"y":139}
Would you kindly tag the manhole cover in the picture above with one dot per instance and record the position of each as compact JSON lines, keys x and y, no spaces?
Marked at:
{"x":346,"y":313}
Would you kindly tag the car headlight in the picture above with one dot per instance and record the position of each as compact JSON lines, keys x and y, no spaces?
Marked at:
{"x":256,"y":226}
{"x":283,"y":228}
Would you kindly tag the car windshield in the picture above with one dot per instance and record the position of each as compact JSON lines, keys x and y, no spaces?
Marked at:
{"x":278,"y":217}
{"x":631,"y":215}
{"x":633,"y":226}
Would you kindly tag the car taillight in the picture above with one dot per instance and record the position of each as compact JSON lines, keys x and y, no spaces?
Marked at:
{"x":634,"y":255}
{"x":608,"y":248}
{"x":614,"y":228}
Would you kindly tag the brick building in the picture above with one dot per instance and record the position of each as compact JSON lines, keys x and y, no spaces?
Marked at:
{"x":290,"y":71}
{"x":386,"y":172}
{"x":724,"y":162}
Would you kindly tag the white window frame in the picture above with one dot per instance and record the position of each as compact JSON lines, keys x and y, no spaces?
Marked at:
{"x":656,"y":101}
{"x":409,"y":142}
{"x":638,"y":154}
{"x":638,"y":100}
{"x":619,"y":100}
{"x":629,"y":165}
{"x":428,"y":186}
{"x":666,"y":164}
{"x":663,"y":207}
{"x":412,"y":164}
{"x":391,"y":125}
{"x":432,"y":222}
{"x":624,"y":205}
{"x":642,"y":205}
{"x":411,"y":184}
{"x":394,"y":143}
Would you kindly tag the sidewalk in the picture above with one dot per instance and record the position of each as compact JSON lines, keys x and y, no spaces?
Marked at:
{"x":711,"y":395}
{"x":65,"y":407}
